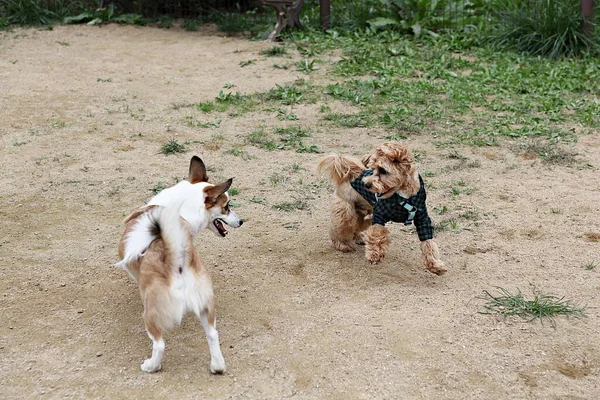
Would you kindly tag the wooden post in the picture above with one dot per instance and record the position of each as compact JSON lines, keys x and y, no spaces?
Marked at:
{"x":326,"y":13}
{"x":587,"y":10}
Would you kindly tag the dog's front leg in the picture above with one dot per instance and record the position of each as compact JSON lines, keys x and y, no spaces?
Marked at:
{"x":377,"y":240}
{"x":431,"y":254}
{"x":209,"y":323}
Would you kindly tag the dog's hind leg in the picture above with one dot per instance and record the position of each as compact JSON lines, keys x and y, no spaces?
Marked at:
{"x":154,"y":363}
{"x":208,"y":320}
{"x":343,"y":225}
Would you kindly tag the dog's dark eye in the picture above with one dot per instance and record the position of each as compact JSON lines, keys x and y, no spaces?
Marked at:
{"x":382,"y":171}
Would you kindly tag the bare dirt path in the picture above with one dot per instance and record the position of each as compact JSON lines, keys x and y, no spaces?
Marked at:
{"x":83,"y":114}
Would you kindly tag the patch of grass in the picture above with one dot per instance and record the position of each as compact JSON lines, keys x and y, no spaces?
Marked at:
{"x":556,"y":211}
{"x":104,"y":80}
{"x":283,"y":115}
{"x":238,"y":152}
{"x":540,"y":306}
{"x":306,"y":66}
{"x":173,"y":146}
{"x":297,"y":205}
{"x":261,"y":139}
{"x":287,"y":94}
{"x":359,"y":120}
{"x":275,"y":51}
{"x":590,"y":266}
{"x":233,"y":191}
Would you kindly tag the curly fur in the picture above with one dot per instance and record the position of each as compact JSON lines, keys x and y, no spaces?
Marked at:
{"x":393,"y":171}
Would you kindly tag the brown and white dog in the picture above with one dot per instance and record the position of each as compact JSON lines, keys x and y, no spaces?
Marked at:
{"x":157,"y":250}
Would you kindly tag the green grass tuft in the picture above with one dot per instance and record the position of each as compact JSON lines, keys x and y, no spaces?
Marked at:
{"x":540,"y":306}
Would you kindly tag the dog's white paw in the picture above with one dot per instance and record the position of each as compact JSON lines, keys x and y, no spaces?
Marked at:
{"x":150,"y":366}
{"x":217,"y":365}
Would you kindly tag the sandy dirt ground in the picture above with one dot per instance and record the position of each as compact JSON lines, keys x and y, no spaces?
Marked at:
{"x":84,"y":112}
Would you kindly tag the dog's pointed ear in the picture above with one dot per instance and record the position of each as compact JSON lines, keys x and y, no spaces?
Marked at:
{"x":197,"y":171}
{"x":215,"y":191}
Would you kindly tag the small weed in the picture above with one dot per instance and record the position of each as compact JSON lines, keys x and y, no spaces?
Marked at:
{"x":280,"y":66}
{"x":590,"y":266}
{"x":63,"y":43}
{"x":296,"y":167}
{"x":233,"y":191}
{"x":455,"y":155}
{"x":59,"y":124}
{"x":291,"y":206}
{"x":159,"y":187}
{"x":260,"y":138}
{"x":275,"y":51}
{"x":192,"y":122}
{"x":258,"y":200}
{"x":247,"y":62}
{"x":325,"y":108}
{"x":173,"y":146}
{"x":285,"y":94}
{"x":302,"y":148}
{"x":283,"y":115}
{"x":541,"y":306}
{"x":237,"y":152}
{"x":276,"y":179}
{"x":19,"y":144}
{"x":104,"y":80}
{"x":306,"y":66}
{"x":228,"y":85}
{"x":556,"y":211}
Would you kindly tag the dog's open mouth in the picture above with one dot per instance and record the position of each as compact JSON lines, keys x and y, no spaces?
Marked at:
{"x":220,"y":227}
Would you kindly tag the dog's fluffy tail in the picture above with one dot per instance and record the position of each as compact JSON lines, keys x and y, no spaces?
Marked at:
{"x":340,"y":169}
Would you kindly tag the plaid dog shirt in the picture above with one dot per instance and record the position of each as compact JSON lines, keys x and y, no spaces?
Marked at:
{"x":396,"y":208}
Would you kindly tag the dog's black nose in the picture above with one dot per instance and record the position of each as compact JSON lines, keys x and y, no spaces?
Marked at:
{"x":241,"y":222}
{"x":368,"y":185}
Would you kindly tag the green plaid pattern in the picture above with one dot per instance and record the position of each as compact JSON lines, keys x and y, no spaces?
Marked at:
{"x":396,"y":208}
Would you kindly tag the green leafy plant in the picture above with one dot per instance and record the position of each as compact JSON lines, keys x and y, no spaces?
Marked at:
{"x":306,"y":66}
{"x":173,"y":146}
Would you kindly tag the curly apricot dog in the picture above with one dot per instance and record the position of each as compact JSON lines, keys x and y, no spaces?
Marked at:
{"x":384,"y":187}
